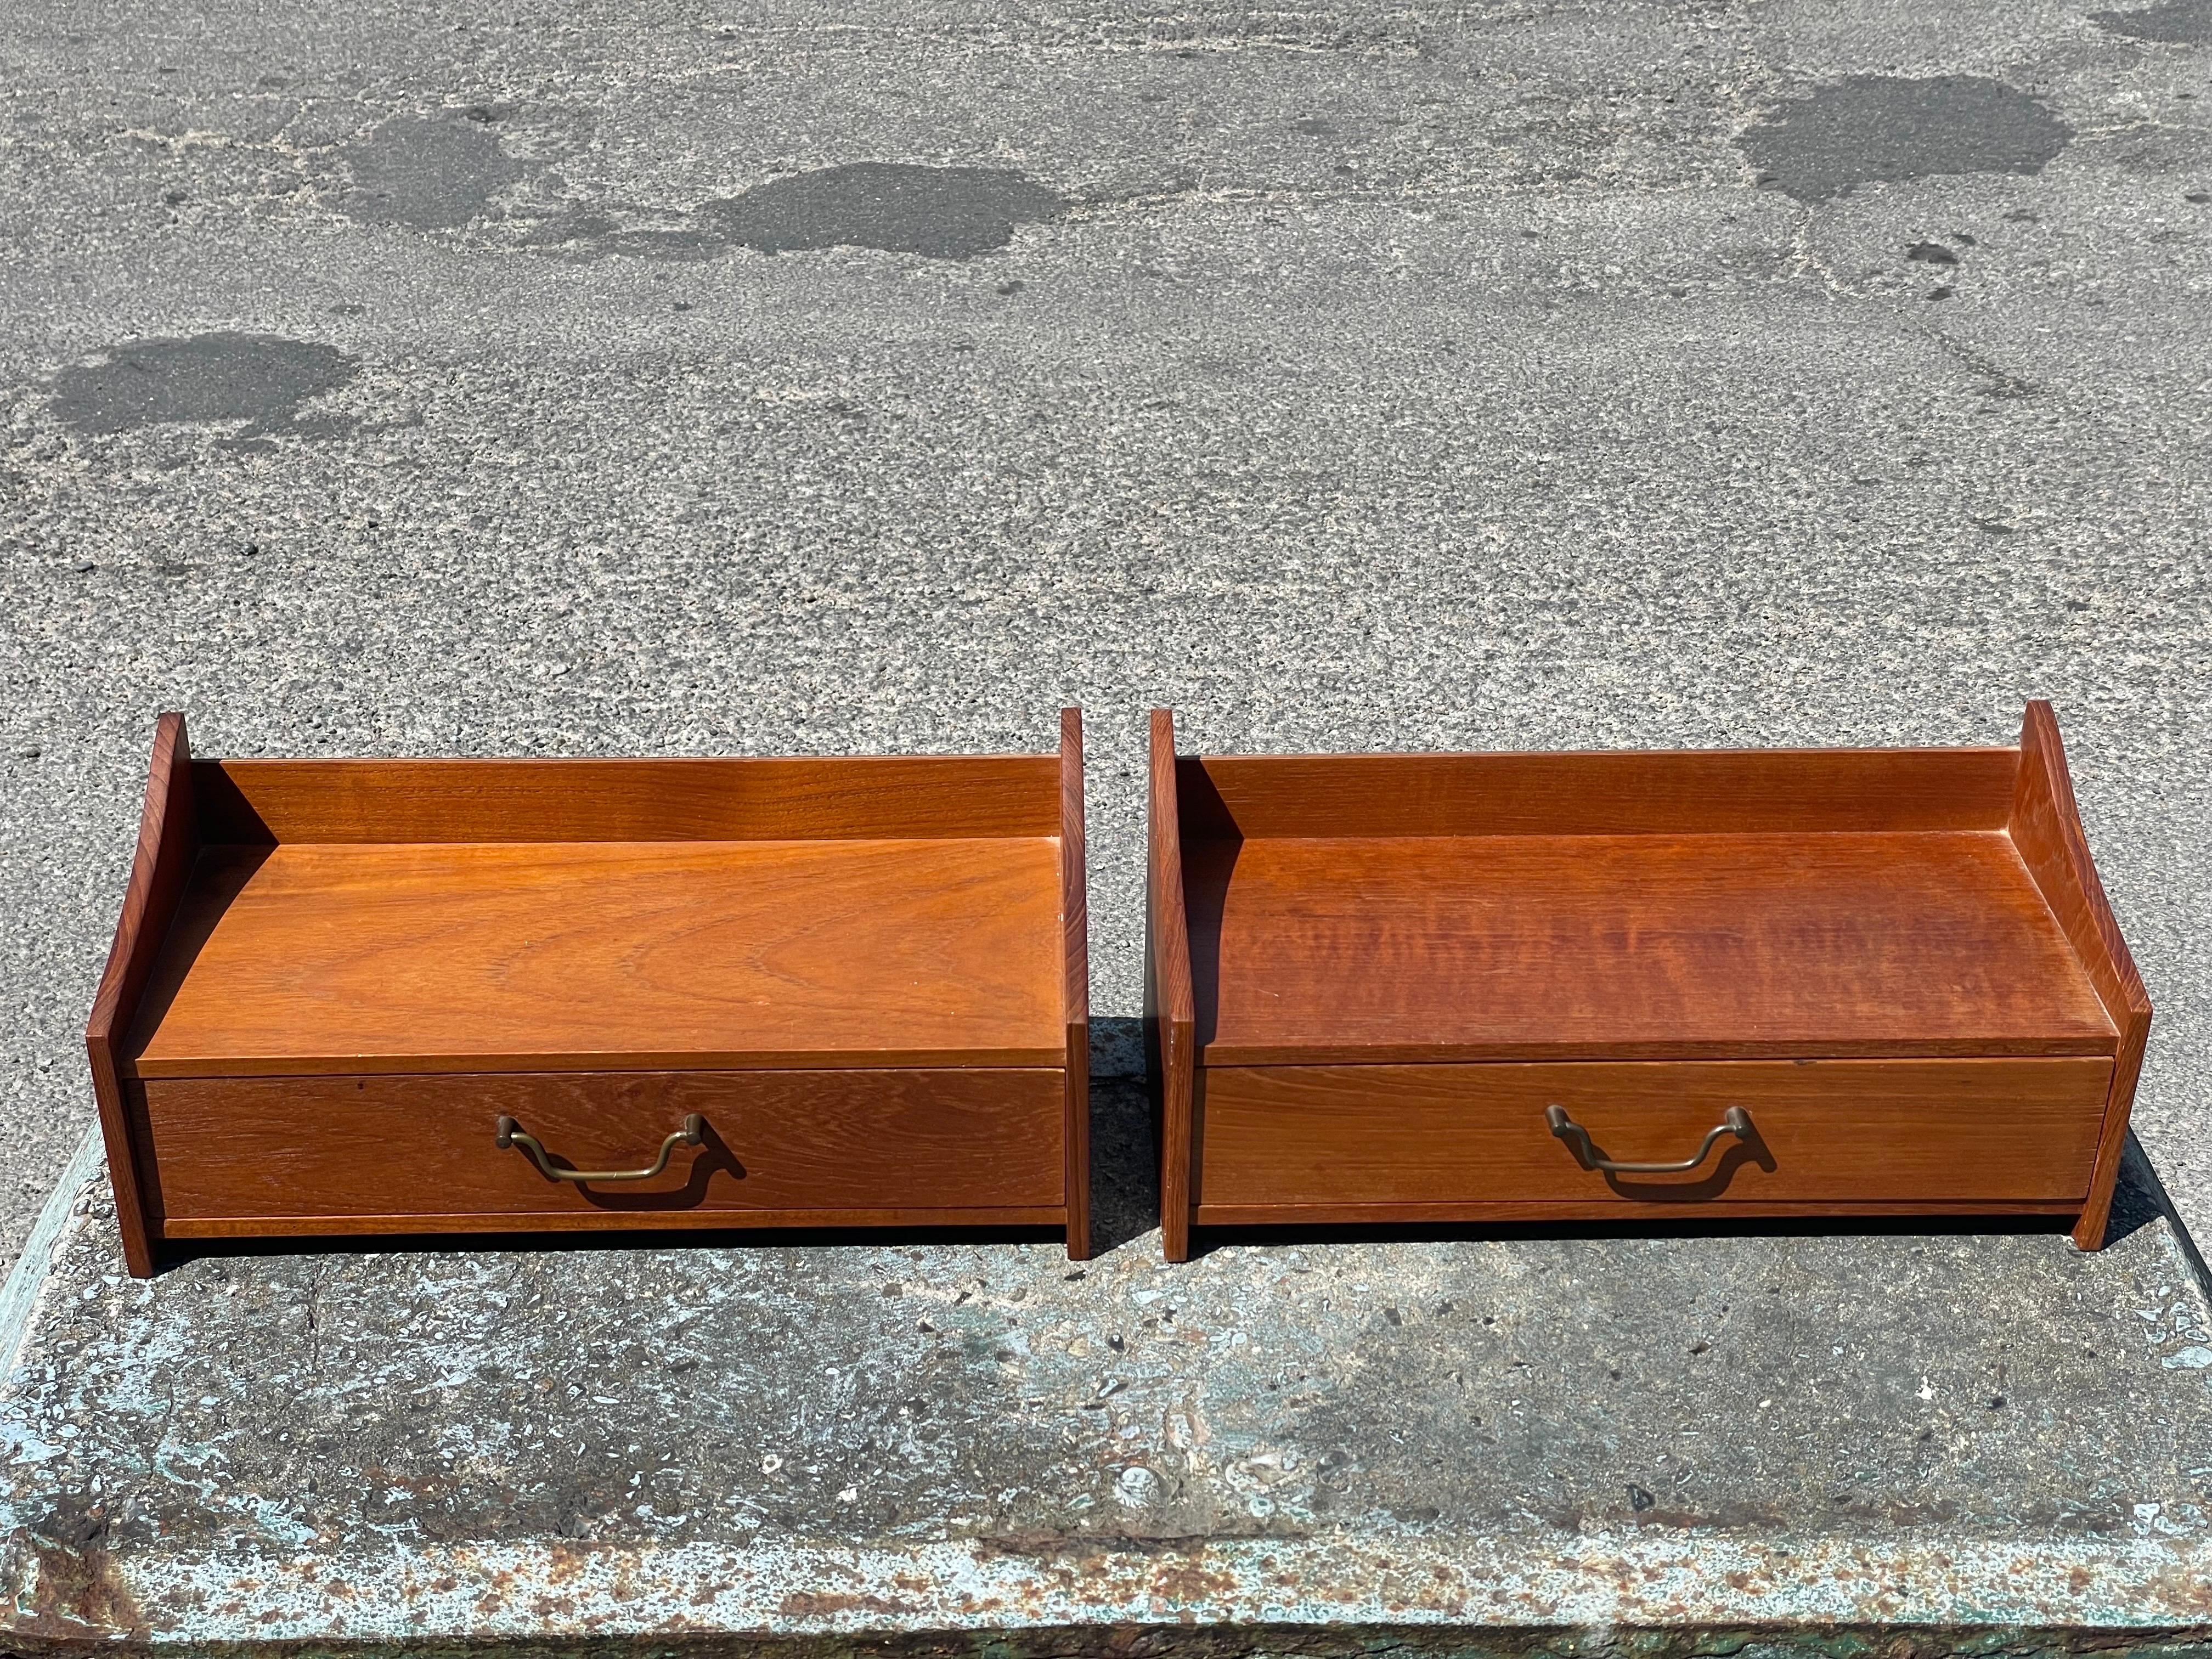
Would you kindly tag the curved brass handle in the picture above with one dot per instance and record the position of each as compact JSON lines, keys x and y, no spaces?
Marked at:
{"x":511,"y":1133}
{"x":1734,"y":1121}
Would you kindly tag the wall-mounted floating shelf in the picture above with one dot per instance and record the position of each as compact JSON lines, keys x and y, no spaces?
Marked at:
{"x":1469,"y":987}
{"x":423,"y":996}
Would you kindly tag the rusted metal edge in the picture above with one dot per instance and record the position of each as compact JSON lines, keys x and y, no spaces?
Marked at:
{"x":558,"y":1592}
{"x":26,"y":1281}
{"x":1238,"y":1642}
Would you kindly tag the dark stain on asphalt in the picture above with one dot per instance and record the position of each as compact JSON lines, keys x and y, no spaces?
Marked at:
{"x":946,"y":213}
{"x":261,"y":379}
{"x":1869,"y":128}
{"x":425,"y":172}
{"x":1931,"y":253}
{"x":2177,"y":21}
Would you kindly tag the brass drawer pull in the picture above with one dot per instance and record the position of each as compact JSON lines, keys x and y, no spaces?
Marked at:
{"x":511,"y":1133}
{"x":1734,"y":1121}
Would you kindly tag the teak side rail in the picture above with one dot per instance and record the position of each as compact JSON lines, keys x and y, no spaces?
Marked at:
{"x":1605,"y":986}
{"x":831,"y":992}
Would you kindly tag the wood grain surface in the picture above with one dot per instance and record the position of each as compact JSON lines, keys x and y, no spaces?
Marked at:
{"x":1654,"y":945}
{"x":1075,"y":996}
{"x":1988,"y":1131}
{"x":859,"y":798}
{"x":1693,"y":791}
{"x":1170,"y":1050}
{"x":584,"y":955}
{"x":168,"y":842}
{"x":407,"y":1149}
{"x":2047,"y":828}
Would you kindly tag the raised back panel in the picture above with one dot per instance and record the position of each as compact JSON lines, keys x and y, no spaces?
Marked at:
{"x":1600,"y":794}
{"x":870,"y":798}
{"x":2046,"y":828}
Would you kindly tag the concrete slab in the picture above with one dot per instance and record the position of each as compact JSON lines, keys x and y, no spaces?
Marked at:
{"x":1987,"y":1436}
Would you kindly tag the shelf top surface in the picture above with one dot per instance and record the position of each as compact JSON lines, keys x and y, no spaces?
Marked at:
{"x":567,"y":956}
{"x":1629,"y":946}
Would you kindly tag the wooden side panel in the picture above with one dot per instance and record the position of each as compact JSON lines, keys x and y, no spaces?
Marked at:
{"x":313,"y":1151}
{"x":1075,"y":948}
{"x":168,"y":844}
{"x":1622,"y":793}
{"x":1998,"y":1132}
{"x":1169,"y":1036}
{"x":2047,"y":828}
{"x":868,"y":798}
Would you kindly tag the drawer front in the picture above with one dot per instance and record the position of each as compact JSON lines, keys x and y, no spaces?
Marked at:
{"x":423,"y":1149}
{"x":1967,"y":1131}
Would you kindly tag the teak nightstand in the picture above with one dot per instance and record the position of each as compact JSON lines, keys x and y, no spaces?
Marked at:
{"x":421,"y":997}
{"x":1613,"y":986}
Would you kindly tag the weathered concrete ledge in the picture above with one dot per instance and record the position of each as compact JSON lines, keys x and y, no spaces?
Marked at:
{"x":1901,"y":1442}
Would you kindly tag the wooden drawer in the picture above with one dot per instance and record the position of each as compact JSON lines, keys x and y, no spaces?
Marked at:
{"x":371,"y":1154}
{"x":1348,"y":1139}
